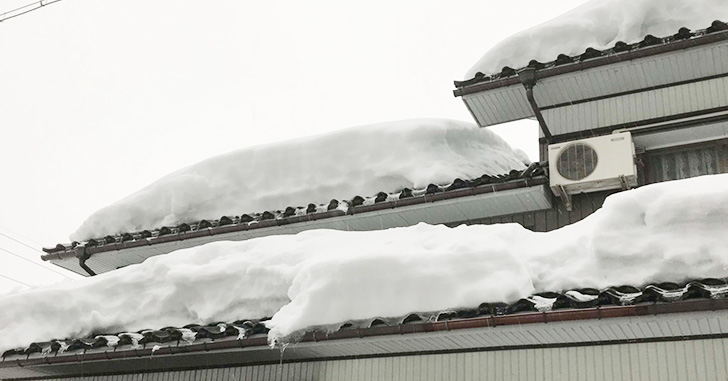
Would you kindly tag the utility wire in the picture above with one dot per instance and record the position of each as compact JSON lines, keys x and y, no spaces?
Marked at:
{"x":35,"y":263}
{"x":20,"y":242}
{"x":14,"y":280}
{"x":25,"y":9}
{"x":20,"y":236}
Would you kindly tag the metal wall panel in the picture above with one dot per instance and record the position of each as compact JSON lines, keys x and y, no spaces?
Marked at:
{"x":638,"y":106}
{"x":659,"y":361}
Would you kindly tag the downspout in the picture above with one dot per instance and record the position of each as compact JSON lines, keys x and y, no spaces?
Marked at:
{"x":82,"y":256}
{"x":528,"y":79}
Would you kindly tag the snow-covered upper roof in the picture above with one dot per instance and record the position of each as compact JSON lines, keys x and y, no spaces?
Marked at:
{"x":361,"y":160}
{"x":598,"y":24}
{"x":667,"y":232}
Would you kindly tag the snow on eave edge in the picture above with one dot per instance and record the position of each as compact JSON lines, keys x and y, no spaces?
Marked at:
{"x":648,"y":41}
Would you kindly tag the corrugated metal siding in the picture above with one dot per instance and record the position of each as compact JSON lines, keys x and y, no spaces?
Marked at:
{"x":690,"y":64}
{"x":659,"y":361}
{"x":499,"y":106}
{"x":639,"y":106}
{"x":686,"y":163}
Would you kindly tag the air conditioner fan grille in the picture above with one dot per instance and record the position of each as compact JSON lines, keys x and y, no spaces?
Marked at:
{"x":576,"y":162}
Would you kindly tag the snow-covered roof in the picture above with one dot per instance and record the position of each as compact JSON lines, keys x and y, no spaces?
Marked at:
{"x":617,"y":315}
{"x":363,"y":160}
{"x":598,"y":25}
{"x":667,"y":232}
{"x":354,"y":212}
{"x":562,"y":63}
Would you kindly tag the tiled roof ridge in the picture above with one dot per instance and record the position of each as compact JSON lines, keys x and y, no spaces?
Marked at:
{"x":591,"y":53}
{"x":543,"y":303}
{"x":290,"y":214}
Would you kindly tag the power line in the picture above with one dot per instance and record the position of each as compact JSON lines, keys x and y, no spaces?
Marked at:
{"x":14,"y":280}
{"x":35,"y":263}
{"x":28,"y":239}
{"x":25,"y":9}
{"x":20,"y":242}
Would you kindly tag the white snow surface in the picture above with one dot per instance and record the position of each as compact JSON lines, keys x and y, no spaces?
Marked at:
{"x":672,"y":231}
{"x":599,"y":24}
{"x":361,"y":160}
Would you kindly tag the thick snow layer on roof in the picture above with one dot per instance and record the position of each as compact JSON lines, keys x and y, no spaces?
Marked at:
{"x":360,"y":160}
{"x":671,"y":231}
{"x":599,"y":24}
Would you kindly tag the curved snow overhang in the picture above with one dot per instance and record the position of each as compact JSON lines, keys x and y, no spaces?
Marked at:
{"x":649,"y":65}
{"x":682,"y":320}
{"x":460,"y":202}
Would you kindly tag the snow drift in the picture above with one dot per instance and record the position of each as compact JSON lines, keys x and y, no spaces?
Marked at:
{"x":672,"y":231}
{"x":599,"y":24}
{"x":360,"y":160}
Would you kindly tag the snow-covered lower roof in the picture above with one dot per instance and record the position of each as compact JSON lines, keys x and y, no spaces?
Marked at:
{"x":657,"y":314}
{"x":459,"y":201}
{"x":599,"y":25}
{"x":667,"y":232}
{"x":364,"y":160}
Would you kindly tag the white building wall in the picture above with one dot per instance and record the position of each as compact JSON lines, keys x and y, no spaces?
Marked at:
{"x":674,"y":360}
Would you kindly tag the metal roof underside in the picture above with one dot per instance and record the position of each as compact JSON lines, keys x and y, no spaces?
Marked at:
{"x":506,"y":101}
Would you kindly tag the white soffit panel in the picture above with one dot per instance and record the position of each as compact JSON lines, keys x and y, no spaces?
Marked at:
{"x":499,"y":106}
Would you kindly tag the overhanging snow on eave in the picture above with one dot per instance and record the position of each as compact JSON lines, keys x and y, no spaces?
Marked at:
{"x":698,"y":319}
{"x":448,"y":207}
{"x":673,"y":63}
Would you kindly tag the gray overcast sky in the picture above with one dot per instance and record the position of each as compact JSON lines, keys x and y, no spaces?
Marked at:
{"x":100,"y":98}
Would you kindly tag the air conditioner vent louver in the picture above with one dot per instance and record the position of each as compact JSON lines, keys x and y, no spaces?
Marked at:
{"x":577,"y":161}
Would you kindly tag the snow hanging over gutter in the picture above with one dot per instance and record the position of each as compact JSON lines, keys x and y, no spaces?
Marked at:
{"x":598,"y":24}
{"x":360,"y":160}
{"x":673,"y":231}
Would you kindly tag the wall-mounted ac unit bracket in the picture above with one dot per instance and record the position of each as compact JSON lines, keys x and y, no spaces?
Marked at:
{"x":625,"y":184}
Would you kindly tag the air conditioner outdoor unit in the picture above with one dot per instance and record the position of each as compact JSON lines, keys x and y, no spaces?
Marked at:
{"x":594,"y":164}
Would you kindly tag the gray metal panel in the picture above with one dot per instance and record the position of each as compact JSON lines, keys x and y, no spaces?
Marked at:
{"x":499,"y":106}
{"x":638,"y":106}
{"x":689,"y":64}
